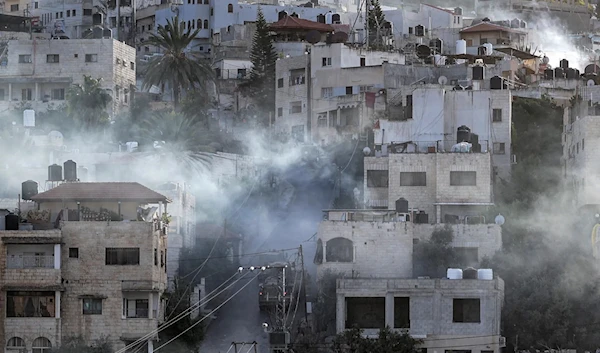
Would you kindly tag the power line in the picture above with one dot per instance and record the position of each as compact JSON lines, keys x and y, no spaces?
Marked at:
{"x":236,"y":256}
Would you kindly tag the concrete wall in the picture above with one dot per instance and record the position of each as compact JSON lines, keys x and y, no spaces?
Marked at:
{"x":431,"y":309}
{"x":291,"y":93}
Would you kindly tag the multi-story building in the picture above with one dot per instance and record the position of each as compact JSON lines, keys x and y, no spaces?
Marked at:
{"x":447,"y":314}
{"x":89,"y":261}
{"x":508,"y":34}
{"x":38,"y":73}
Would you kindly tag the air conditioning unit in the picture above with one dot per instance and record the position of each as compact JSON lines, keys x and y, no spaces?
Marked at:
{"x":502,"y":342}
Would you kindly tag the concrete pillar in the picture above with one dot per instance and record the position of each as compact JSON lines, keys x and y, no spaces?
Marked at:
{"x":389,"y":310}
{"x":438,"y":213}
{"x":328,"y":118}
{"x":339,"y":118}
{"x":57,"y":256}
{"x":37,"y":91}
{"x":10,"y":92}
{"x":150,"y":305}
{"x":324,"y":252}
{"x":150,"y":346}
{"x":57,"y":304}
{"x":340,"y":313}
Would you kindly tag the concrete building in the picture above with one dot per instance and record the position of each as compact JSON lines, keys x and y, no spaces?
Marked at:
{"x":448,"y":314}
{"x":38,"y":73}
{"x":89,"y":262}
{"x":495,"y":34}
{"x":322,"y":96}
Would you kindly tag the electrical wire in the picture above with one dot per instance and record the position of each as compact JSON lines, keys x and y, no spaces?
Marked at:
{"x":352,"y":156}
{"x":193,"y":307}
{"x":297,"y":302}
{"x":237,"y":256}
{"x":207,"y":315}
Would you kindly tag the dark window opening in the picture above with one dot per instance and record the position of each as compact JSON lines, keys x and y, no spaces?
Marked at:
{"x":401,"y":312}
{"x":363,"y":62}
{"x":348,"y":89}
{"x":499,"y":148}
{"x":377,"y":178}
{"x":135,"y":308}
{"x":497,"y":115}
{"x":413,"y":179}
{"x":155,"y":257}
{"x":230,"y":8}
{"x":463,"y":178}
{"x":279,"y":112}
{"x":366,"y":313}
{"x":339,"y":250}
{"x":466,"y":310}
{"x":30,"y":304}
{"x":122,"y":256}
{"x":92,"y":306}
{"x":280,"y":83}
{"x":74,"y":253}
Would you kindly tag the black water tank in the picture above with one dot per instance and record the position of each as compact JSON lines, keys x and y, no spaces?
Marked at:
{"x":335,"y":18}
{"x":436,"y":45}
{"x":70,"y":169}
{"x":559,"y":73}
{"x":496,"y":82}
{"x":55,"y":173}
{"x":572,"y":74}
{"x":564,"y":64}
{"x":402,"y":205}
{"x":321,"y":18}
{"x":29,"y":188}
{"x":463,"y":134}
{"x":477,"y":73}
{"x":549,"y":74}
{"x":476,"y":147}
{"x":281,"y":15}
{"x":592,"y":69}
{"x":419,"y":31}
{"x":11,"y":222}
{"x":469,"y":273}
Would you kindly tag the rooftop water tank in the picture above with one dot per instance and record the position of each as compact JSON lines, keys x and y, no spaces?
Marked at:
{"x":485,"y":274}
{"x":29,"y":188}
{"x":469,"y":273}
{"x":461,"y":47}
{"x":454,"y":273}
{"x":55,"y":173}
{"x":329,"y":18}
{"x":402,"y":205}
{"x":489,"y":48}
{"x":70,"y":170}
{"x":463,"y":134}
{"x":11,"y":222}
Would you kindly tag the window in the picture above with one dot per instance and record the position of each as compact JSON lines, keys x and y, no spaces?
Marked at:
{"x":73,"y":13}
{"x":413,"y":179}
{"x":132,"y":65}
{"x":30,"y":304}
{"x":230,"y":8}
{"x":295,"y":107}
{"x":15,"y":345}
{"x":297,"y":77}
{"x":26,"y":94}
{"x":241,"y":73}
{"x":205,"y":24}
{"x":327,"y":92}
{"x":91,"y":58}
{"x":582,"y":143}
{"x":205,"y":2}
{"x":68,"y":13}
{"x":401,"y":312}
{"x":326,"y":61}
{"x":135,"y":308}
{"x":35,"y":5}
{"x":87,"y":12}
{"x":482,"y":41}
{"x":58,"y":94}
{"x":52,"y":58}
{"x":14,"y":7}
{"x":212,"y":12}
{"x":162,"y":258}
{"x":496,"y":115}
{"x":322,"y":121}
{"x":74,"y":253}
{"x":279,"y":83}
{"x":463,"y":178}
{"x":92,"y":306}
{"x":25,"y":59}
{"x":199,"y":23}
{"x":75,"y":56}
{"x":499,"y":148}
{"x":466,"y":310}
{"x":363,"y":62}
{"x":348,"y":89}
{"x":2,"y":94}
{"x":61,"y":14}
{"x":155,"y":257}
{"x":279,"y":112}
{"x":122,"y":256}
{"x":377,"y":178}
{"x":339,"y":250}
{"x":41,"y":345}
{"x":469,"y":42}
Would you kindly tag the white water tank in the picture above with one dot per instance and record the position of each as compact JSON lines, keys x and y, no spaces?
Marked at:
{"x":489,"y":48}
{"x":454,"y":273}
{"x":29,"y":118}
{"x":439,"y":60}
{"x":461,"y":47}
{"x":131,"y":146}
{"x":329,"y":18}
{"x":485,"y":274}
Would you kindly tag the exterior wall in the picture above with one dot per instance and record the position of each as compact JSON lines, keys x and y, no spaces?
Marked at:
{"x":41,"y":77}
{"x":291,"y":93}
{"x":229,"y":68}
{"x":343,"y":56}
{"x":128,"y":209}
{"x":431,"y":309}
{"x":89,"y":276}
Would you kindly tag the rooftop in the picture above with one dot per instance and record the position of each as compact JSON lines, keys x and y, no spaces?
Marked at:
{"x":295,"y":23}
{"x":488,"y":27}
{"x":114,"y":191}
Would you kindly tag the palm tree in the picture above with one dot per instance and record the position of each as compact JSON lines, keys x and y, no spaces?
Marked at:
{"x":87,"y":103}
{"x":176,"y":67}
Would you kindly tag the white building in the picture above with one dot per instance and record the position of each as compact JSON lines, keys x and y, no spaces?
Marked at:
{"x":39,"y":73}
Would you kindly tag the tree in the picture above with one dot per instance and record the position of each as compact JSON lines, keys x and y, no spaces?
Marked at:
{"x":261,"y":84}
{"x":177,"y":67}
{"x":388,"y":341}
{"x":433,"y":257}
{"x":375,"y":21}
{"x":77,"y":344}
{"x":86,"y":104}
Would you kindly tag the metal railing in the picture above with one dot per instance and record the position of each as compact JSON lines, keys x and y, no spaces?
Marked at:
{"x":439,"y":146}
{"x":33,"y":261}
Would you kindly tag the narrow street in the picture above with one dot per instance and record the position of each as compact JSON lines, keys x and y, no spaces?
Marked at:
{"x":240,"y":320}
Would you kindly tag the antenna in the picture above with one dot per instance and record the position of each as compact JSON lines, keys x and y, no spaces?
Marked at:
{"x":443,"y":80}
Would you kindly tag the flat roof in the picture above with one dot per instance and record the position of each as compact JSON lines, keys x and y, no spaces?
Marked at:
{"x":108,"y":191}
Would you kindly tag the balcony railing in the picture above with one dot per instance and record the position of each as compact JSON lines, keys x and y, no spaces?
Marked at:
{"x":439,"y":146}
{"x":34,"y":261}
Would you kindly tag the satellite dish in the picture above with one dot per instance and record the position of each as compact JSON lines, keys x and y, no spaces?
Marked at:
{"x":499,"y":220}
{"x":591,"y":83}
{"x":443,"y":80}
{"x":545,"y":60}
{"x":423,"y":51}
{"x":313,"y":37}
{"x":366,"y":151}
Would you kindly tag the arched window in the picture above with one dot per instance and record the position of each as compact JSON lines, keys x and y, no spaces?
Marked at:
{"x":41,"y":345}
{"x":15,"y":345}
{"x":205,"y":24}
{"x":230,"y":8}
{"x":319,"y":253}
{"x":339,"y":250}
{"x":199,"y":24}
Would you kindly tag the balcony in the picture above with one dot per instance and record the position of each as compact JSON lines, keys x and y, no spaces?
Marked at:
{"x":30,"y":261}
{"x":439,"y":146}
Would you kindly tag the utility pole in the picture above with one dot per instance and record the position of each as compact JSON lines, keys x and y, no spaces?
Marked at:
{"x":303,"y":289}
